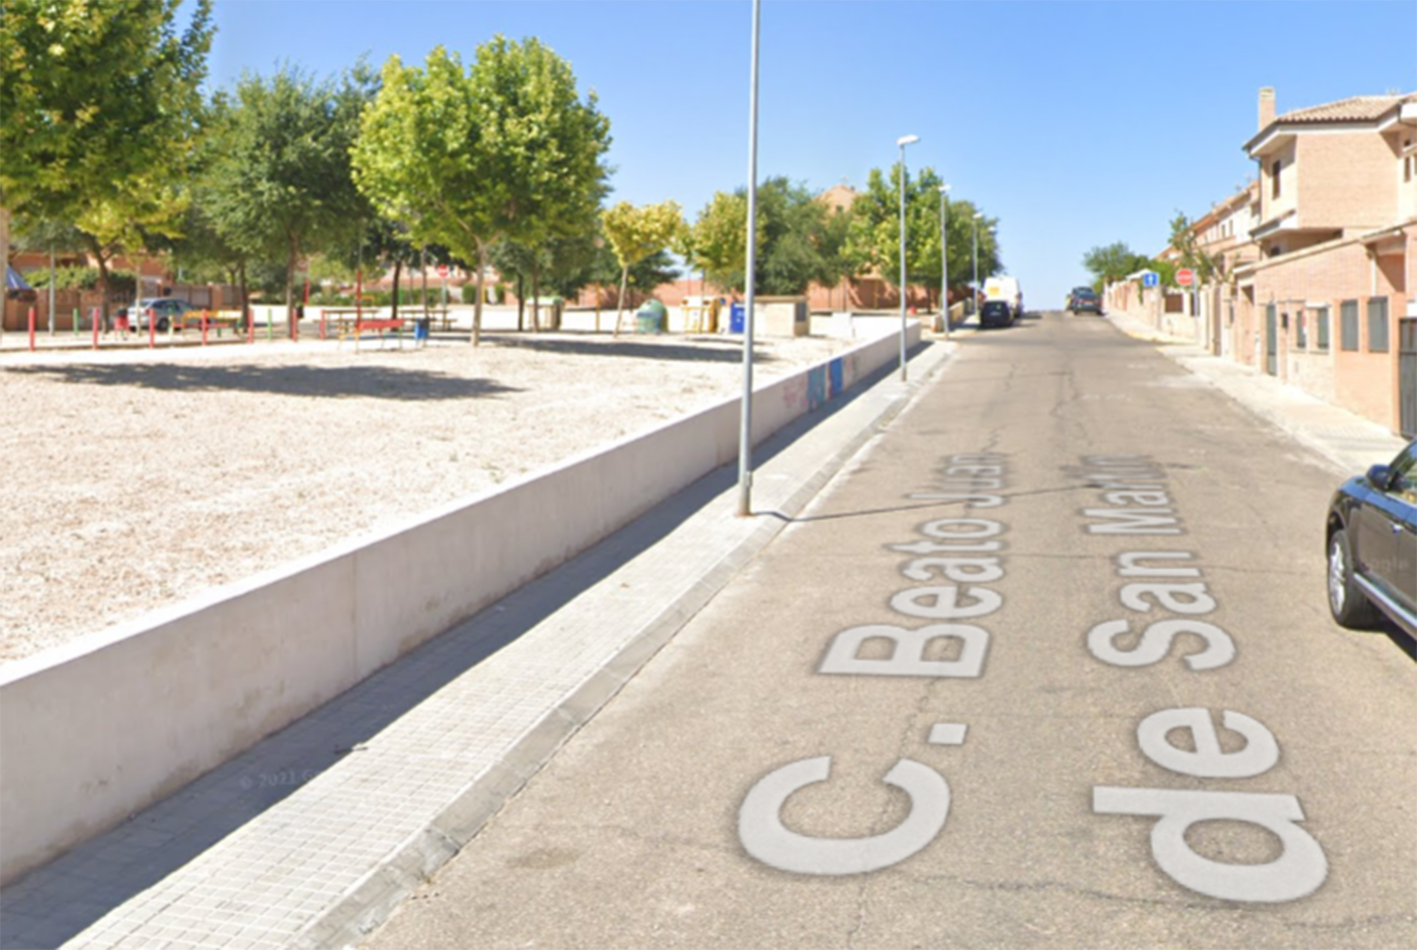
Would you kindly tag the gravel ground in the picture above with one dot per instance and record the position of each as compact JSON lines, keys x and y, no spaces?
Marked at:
{"x":136,"y":479}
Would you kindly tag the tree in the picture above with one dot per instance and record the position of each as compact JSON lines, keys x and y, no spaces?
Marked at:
{"x":506,"y":150}
{"x":717,"y":244}
{"x":99,"y":99}
{"x":1113,"y":262}
{"x":1183,"y":240}
{"x":873,"y":243}
{"x":281,"y":186}
{"x":636,"y":233}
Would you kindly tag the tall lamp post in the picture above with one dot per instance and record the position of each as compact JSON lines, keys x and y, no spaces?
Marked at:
{"x":974,"y":288}
{"x":745,"y":429}
{"x":945,"y":256}
{"x":902,"y":142}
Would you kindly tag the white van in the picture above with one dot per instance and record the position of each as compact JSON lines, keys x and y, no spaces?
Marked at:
{"x":1003,"y":302}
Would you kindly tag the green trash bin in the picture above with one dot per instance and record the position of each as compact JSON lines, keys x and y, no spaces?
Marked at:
{"x":651,"y":317}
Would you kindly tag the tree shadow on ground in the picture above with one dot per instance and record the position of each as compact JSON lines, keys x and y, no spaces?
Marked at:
{"x":329,"y":382}
{"x":706,"y":351}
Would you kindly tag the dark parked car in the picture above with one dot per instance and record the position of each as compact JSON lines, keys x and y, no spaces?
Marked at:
{"x":1372,"y":546}
{"x":995,"y":313}
{"x":1084,"y":298}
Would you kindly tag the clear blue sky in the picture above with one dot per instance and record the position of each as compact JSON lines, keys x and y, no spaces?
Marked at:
{"x":1075,"y":124}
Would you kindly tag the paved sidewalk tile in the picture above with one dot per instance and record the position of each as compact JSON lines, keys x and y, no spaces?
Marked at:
{"x":313,"y":836}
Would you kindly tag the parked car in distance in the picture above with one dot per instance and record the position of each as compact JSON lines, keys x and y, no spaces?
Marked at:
{"x":1372,"y":546}
{"x":163,"y":309}
{"x":1084,"y":298}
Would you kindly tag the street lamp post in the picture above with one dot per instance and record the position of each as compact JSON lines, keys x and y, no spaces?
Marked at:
{"x":974,"y":287}
{"x":745,"y":429}
{"x":902,"y":142}
{"x":945,"y":256}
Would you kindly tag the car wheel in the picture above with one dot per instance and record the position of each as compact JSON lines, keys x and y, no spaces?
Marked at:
{"x":162,"y":324}
{"x":1346,"y":601}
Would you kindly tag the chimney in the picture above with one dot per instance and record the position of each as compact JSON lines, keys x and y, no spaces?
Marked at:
{"x":1266,"y":107}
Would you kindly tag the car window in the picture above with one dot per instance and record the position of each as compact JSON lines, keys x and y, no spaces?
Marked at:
{"x":1404,"y":474}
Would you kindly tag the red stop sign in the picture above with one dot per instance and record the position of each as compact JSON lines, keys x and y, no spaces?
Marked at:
{"x":1185,"y":277}
{"x":443,"y":270}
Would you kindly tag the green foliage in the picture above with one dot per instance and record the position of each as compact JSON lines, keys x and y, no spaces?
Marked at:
{"x":121,"y":283}
{"x":279,"y":184}
{"x":873,"y":242}
{"x":99,"y":99}
{"x":636,"y":233}
{"x":1114,"y":262}
{"x":505,"y":150}
{"x":717,"y":243}
{"x":1183,"y":239}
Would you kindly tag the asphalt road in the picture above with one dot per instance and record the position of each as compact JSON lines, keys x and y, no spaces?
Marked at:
{"x":1030,"y":771}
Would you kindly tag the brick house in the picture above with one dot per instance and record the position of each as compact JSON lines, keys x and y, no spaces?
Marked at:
{"x":1326,"y":303}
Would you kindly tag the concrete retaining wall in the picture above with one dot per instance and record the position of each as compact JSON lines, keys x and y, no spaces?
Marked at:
{"x":95,"y":730}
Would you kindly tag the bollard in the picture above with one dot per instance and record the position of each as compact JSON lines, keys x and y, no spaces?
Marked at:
{"x":94,"y":321}
{"x":152,"y":331}
{"x":32,"y":318}
{"x":74,"y":324}
{"x":204,"y":328}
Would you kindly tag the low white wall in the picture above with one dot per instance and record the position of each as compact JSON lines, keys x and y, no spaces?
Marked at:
{"x":93,"y":731}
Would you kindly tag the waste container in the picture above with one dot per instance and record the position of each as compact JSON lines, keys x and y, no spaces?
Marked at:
{"x":736,"y":318}
{"x":650,"y":318}
{"x":420,"y":329}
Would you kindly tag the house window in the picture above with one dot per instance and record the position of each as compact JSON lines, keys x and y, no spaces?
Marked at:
{"x":1301,"y":334}
{"x":1274,"y":179}
{"x":1321,"y":327}
{"x":1377,"y":325}
{"x":1348,"y":325}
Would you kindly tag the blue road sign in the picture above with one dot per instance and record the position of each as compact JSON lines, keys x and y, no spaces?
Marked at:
{"x":1150,"y":279}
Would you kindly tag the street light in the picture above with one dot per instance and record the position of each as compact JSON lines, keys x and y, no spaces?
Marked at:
{"x":903,"y":141}
{"x":974,"y":288}
{"x":745,"y":428}
{"x":945,"y":257}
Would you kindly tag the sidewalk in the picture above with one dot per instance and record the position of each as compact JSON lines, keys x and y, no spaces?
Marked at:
{"x":1347,"y":441}
{"x":314,"y":836}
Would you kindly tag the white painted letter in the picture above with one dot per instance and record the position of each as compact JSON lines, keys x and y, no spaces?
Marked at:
{"x":1128,"y":565}
{"x":908,"y":656}
{"x":764,"y":836}
{"x":942,"y":603}
{"x":1208,"y":761}
{"x":945,"y":528}
{"x":1296,"y":873}
{"x":1196,"y":601}
{"x":1156,"y":640}
{"x":980,"y":569}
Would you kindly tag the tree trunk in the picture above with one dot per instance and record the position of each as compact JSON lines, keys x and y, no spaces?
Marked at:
{"x":245,"y":299}
{"x":521,"y":303}
{"x":477,"y":304}
{"x":291,"y":258}
{"x":398,"y":266}
{"x":535,"y":298}
{"x":5,"y":261}
{"x":620,"y":300}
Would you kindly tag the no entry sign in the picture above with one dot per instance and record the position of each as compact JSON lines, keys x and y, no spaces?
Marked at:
{"x":1185,"y":277}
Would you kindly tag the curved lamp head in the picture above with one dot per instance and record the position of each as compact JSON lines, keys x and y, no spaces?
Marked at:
{"x":905,"y":140}
{"x":944,"y":189}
